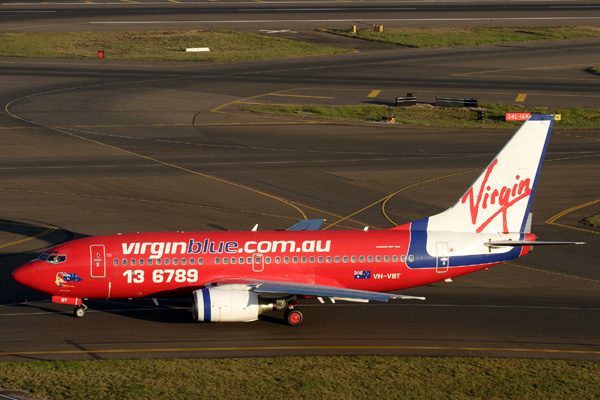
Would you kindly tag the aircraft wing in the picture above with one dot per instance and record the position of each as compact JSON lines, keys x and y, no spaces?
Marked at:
{"x":307,"y":225}
{"x":307,"y":289}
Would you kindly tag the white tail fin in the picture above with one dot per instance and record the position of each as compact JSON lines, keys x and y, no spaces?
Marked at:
{"x":500,"y":198}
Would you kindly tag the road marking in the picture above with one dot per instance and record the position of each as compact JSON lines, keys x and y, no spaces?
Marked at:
{"x":265,"y":21}
{"x":521,"y":97}
{"x":279,"y":348}
{"x":552,"y":273}
{"x":374,"y":93}
{"x":278,"y":31}
{"x":552,"y":220}
{"x":27,"y":239}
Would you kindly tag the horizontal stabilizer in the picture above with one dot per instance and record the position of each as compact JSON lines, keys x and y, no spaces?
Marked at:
{"x":509,"y":243}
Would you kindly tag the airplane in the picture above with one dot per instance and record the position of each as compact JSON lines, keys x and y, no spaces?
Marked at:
{"x":237,"y":276}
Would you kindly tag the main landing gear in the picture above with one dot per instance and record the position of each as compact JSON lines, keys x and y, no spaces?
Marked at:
{"x":292,"y":316}
{"x":79,"y":311}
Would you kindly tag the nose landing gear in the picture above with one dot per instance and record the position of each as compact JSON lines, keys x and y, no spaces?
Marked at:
{"x":79,"y":311}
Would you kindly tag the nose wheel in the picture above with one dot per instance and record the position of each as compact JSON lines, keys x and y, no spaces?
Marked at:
{"x":79,"y":311}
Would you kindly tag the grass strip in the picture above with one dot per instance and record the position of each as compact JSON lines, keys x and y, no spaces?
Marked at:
{"x":435,"y":37}
{"x":306,"y":378}
{"x":224,"y":45}
{"x":427,"y":115}
{"x":594,"y":220}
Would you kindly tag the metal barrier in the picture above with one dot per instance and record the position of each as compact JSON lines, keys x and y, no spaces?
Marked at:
{"x":455,"y":102}
{"x":406,"y":101}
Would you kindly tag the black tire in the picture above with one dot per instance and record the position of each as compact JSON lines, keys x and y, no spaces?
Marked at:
{"x":79,"y":312}
{"x":294,"y":317}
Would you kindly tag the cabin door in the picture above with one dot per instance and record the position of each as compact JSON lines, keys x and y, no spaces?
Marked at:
{"x":442,"y":260}
{"x":258,"y":262}
{"x":97,"y":261}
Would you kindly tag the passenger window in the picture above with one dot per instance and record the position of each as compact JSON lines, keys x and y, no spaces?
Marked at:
{"x":241,"y":260}
{"x":158,"y":261}
{"x":328,"y":259}
{"x":345,"y":259}
{"x":362,"y":259}
{"x":167,"y":261}
{"x":141,"y":261}
{"x":192,"y":261}
{"x":116,"y":262}
{"x":217,"y":260}
{"x":386,"y":258}
{"x":277,"y":260}
{"x":295,"y":260}
{"x":149,"y":261}
{"x":411,"y":258}
{"x":395,"y":258}
{"x":303,"y":260}
{"x":312,"y":259}
{"x":321,"y":259}
{"x":132,"y":262}
{"x":175,"y":261}
{"x":403,"y":258}
{"x":249,"y":260}
{"x":286,"y":259}
{"x":353,"y":258}
{"x":337,"y":259}
{"x":225,"y":260}
{"x":267,"y":260}
{"x":184,"y":261}
{"x":370,"y":258}
{"x":233,"y":260}
{"x":200,"y":261}
{"x":124,"y":261}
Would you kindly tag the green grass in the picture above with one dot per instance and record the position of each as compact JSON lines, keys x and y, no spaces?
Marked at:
{"x":594,"y":220}
{"x":435,"y":37}
{"x":307,"y":378}
{"x":494,"y":114}
{"x":165,"y":46}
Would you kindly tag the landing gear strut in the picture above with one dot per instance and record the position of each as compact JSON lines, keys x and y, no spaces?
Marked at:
{"x":79,"y":311}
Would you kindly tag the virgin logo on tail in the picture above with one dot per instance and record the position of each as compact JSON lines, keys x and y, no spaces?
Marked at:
{"x":499,"y":200}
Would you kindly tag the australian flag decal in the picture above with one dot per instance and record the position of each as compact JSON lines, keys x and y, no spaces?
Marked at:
{"x":362,"y":274}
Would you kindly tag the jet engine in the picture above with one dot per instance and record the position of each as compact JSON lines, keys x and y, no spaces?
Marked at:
{"x":227,"y":304}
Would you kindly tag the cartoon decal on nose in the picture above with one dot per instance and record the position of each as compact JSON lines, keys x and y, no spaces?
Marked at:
{"x":62,"y":278}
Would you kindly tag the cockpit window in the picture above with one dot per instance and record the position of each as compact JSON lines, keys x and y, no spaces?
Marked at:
{"x":53,"y":258}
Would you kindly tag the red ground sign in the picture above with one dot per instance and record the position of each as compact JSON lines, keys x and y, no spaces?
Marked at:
{"x":517,"y":116}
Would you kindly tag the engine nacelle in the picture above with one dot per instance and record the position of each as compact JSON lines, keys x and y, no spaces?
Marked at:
{"x":227,"y":304}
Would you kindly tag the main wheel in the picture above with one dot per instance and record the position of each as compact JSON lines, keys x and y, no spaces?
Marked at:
{"x":294,"y":317}
{"x":79,"y":312}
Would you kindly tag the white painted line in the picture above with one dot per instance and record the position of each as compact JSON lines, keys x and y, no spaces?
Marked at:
{"x":196,"y":49}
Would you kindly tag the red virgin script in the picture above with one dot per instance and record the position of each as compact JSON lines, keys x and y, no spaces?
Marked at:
{"x":502,"y":199}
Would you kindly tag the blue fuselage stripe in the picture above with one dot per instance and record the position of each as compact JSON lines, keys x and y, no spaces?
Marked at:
{"x":424,"y":260}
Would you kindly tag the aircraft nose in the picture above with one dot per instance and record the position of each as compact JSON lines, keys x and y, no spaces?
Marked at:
{"x":24,"y":274}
